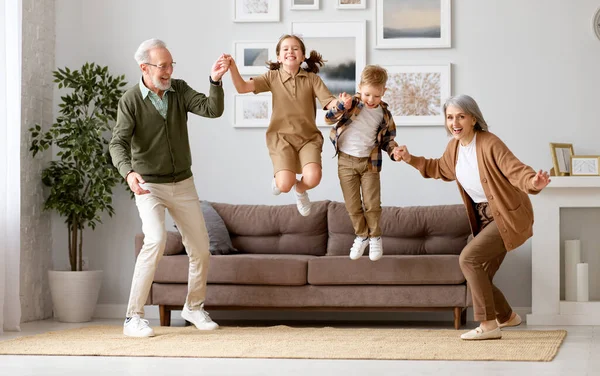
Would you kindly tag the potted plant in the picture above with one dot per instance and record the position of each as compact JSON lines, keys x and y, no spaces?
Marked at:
{"x":82,"y":177}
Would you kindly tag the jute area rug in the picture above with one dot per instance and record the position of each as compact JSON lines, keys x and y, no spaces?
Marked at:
{"x":293,"y":343}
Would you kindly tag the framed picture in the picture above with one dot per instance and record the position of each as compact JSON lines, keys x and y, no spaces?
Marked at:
{"x":351,"y":4}
{"x":416,"y":93}
{"x":344,"y":46}
{"x":561,"y":158}
{"x":256,"y":11}
{"x":585,"y":165}
{"x":304,"y":5}
{"x":251,"y":56}
{"x":413,"y":24}
{"x":252,"y":110}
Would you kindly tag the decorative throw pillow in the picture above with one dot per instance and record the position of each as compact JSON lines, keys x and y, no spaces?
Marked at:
{"x":220,"y":242}
{"x":174,"y":245}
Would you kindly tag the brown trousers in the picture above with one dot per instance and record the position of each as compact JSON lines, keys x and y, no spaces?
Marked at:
{"x":479,"y":262}
{"x":355,"y":177}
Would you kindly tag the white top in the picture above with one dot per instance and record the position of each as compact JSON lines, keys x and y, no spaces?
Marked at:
{"x":359,"y":138}
{"x":467,"y":171}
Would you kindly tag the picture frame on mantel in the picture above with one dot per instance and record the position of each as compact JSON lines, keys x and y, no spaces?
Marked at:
{"x":413,"y":24}
{"x":585,"y":165}
{"x":256,"y":10}
{"x":561,"y":158}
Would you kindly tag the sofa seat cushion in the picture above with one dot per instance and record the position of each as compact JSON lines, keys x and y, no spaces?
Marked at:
{"x":390,"y":270}
{"x":416,"y":230}
{"x":241,"y":269}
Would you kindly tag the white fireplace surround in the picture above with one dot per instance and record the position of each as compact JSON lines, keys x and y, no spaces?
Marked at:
{"x":547,"y":306}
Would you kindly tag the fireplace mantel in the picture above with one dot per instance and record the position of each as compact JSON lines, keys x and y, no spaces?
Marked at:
{"x":547,"y":307}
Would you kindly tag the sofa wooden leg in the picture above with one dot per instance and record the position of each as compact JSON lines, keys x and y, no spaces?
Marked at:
{"x":165,"y":315}
{"x":457,"y":317}
{"x":463,"y":317}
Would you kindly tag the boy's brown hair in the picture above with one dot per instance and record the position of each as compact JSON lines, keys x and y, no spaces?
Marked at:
{"x":313,"y":61}
{"x":374,"y":75}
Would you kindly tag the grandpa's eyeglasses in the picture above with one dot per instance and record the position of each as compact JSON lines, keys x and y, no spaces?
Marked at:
{"x":163,"y":67}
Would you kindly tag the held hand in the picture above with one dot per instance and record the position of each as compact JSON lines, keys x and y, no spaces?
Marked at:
{"x":220,"y":67}
{"x":134,"y":180}
{"x":401,"y":154}
{"x":540,"y":180}
{"x":346,"y":99}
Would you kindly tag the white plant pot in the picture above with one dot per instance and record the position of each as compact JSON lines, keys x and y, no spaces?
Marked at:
{"x":74,"y":294}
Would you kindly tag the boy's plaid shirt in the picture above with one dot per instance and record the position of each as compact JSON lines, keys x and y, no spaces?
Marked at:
{"x":385,"y":133}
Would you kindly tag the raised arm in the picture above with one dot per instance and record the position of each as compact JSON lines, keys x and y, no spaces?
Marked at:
{"x":519,"y":174}
{"x":441,"y":168}
{"x":241,"y":86}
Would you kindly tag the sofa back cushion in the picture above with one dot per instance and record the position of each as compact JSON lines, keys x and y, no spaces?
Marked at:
{"x":417,"y":230}
{"x":279,"y":229}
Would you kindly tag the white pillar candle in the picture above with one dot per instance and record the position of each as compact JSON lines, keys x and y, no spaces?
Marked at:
{"x":582,"y":282}
{"x":572,"y":258}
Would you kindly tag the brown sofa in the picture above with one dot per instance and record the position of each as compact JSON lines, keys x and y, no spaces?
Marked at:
{"x":290,"y":262}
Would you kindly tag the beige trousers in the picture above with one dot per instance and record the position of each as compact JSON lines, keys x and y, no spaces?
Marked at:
{"x":479,"y":262}
{"x":181,"y":199}
{"x":355,"y":177}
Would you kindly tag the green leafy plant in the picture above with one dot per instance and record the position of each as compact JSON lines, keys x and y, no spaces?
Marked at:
{"x":82,"y":178}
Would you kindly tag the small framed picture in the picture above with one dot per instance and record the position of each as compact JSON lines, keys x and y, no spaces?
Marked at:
{"x":413,"y":24}
{"x":256,"y":11}
{"x":252,"y":110}
{"x":416,"y":93}
{"x":251,"y":56}
{"x":351,"y":4}
{"x":585,"y":165}
{"x":304,"y":5}
{"x":561,"y":158}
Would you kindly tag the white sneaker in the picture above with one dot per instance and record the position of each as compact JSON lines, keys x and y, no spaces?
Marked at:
{"x":199,"y":318}
{"x":136,"y":326}
{"x":375,"y":248}
{"x":274,"y":188}
{"x":302,"y":202}
{"x":358,"y":247}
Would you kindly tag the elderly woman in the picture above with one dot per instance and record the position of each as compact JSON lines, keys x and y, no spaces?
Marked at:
{"x":494,"y":185}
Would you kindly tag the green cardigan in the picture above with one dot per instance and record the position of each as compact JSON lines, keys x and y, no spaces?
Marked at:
{"x":154,"y":147}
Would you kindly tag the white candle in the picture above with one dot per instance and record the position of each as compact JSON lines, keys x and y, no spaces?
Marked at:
{"x":582,"y":282}
{"x":572,"y":258}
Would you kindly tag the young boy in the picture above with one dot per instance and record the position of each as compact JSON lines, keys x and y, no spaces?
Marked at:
{"x":364,"y":127}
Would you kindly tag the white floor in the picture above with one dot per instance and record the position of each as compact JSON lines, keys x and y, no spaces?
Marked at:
{"x":579,"y":355}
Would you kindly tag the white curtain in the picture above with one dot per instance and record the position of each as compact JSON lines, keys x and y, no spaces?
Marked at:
{"x":10,"y":163}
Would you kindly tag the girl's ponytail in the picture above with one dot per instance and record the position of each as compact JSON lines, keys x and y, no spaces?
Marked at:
{"x":314,"y":61}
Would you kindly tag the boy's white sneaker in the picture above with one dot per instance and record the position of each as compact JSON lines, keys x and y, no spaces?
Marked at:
{"x":375,"y":248}
{"x":276,"y":191}
{"x":136,"y":326}
{"x":199,"y":318}
{"x":302,"y":202}
{"x":358,"y":247}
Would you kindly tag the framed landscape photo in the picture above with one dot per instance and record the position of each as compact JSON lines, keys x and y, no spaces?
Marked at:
{"x":256,"y":10}
{"x":252,"y":110}
{"x":304,"y":4}
{"x":585,"y":165}
{"x":561,"y":158}
{"x":413,"y":24}
{"x":251,"y":56}
{"x":344,"y":46}
{"x":351,"y":4}
{"x":416,"y":93}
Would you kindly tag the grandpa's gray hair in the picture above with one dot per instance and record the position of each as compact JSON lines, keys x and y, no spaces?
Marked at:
{"x":142,"y":54}
{"x":468,"y":105}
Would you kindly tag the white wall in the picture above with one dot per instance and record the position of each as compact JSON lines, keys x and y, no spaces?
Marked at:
{"x":532,"y":66}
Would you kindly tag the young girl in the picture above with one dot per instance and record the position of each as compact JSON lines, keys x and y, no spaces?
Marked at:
{"x":293,"y":139}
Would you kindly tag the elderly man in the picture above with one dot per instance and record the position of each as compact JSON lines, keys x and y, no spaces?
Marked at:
{"x":150,"y":147}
